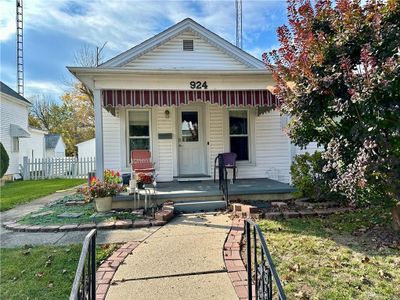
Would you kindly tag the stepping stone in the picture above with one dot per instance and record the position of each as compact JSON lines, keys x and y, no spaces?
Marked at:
{"x":279,"y":204}
{"x":72,"y":203}
{"x":45,"y":213}
{"x":101,"y":215}
{"x":70,"y":215}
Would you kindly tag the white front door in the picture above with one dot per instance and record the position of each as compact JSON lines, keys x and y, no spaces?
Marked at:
{"x":191,"y":141}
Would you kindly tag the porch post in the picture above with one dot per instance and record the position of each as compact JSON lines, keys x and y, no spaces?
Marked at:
{"x":98,"y":115}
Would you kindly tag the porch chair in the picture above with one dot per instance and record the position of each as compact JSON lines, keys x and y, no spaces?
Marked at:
{"x":141,"y":162}
{"x":229,"y":159}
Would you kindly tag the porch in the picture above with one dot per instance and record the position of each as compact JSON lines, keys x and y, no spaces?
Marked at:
{"x":207,"y":190}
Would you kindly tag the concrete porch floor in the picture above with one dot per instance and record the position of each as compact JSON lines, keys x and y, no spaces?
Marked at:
{"x":241,"y":189}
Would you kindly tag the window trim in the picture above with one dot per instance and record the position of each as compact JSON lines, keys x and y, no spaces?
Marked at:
{"x":250,"y":133}
{"x":128,"y":137}
{"x":15,"y":149}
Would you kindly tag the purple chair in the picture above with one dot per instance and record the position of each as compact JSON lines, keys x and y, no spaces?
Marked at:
{"x":229,"y":159}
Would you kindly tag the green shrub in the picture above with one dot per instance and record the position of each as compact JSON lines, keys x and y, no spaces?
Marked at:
{"x":309,"y":180}
{"x":4,"y":160}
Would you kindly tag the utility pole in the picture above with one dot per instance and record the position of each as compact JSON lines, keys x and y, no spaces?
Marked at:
{"x":238,"y":6}
{"x":20,"y":48}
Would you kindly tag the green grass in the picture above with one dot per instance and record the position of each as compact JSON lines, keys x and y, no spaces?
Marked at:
{"x":346,"y":256}
{"x":58,"y":207}
{"x":20,"y":192}
{"x":42,"y":272}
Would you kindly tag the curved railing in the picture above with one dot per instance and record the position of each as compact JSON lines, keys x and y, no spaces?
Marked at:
{"x":260,"y":266}
{"x":84,"y":286}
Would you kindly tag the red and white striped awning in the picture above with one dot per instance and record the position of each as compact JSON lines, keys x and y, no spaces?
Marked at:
{"x":117,"y":98}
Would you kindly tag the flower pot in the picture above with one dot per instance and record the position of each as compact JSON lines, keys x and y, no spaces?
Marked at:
{"x":140,"y":185}
{"x":103,"y":204}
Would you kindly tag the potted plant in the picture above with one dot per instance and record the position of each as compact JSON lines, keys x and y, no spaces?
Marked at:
{"x":142,"y":179}
{"x":102,"y":192}
{"x":111,"y":176}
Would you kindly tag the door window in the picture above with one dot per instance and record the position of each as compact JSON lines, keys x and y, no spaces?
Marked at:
{"x":190,"y":126}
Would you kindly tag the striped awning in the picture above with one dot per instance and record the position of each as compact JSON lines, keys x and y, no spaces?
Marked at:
{"x":117,"y":98}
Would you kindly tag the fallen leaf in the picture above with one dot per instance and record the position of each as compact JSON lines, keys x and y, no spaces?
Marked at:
{"x":365,"y":280}
{"x":27,"y":252}
{"x":39,"y":275}
{"x":365,"y":259}
{"x":295,"y":268}
{"x":385,"y":275}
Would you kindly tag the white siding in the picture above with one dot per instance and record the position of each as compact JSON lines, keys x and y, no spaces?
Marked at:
{"x":32,"y":147}
{"x":216,"y":133}
{"x":12,"y":113}
{"x":164,"y":147}
{"x":87,"y":148}
{"x":112,"y":141}
{"x":171,"y":56}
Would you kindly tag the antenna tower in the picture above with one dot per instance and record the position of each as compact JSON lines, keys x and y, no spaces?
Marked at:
{"x":238,"y":6}
{"x":20,"y":51}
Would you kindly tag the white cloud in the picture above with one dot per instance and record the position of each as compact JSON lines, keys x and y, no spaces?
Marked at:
{"x":36,"y":87}
{"x":126,"y":23}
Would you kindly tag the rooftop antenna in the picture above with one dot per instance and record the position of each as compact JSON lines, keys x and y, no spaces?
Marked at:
{"x":238,"y":6}
{"x":20,"y":51}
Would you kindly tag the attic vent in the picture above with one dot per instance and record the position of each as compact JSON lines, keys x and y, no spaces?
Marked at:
{"x":187,"y":45}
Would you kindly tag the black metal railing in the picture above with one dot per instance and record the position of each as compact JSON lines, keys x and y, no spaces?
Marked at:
{"x":84,"y":286}
{"x":223,"y":178}
{"x":260,"y":267}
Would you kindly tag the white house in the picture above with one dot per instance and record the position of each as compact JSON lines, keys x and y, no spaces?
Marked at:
{"x":14,"y":125}
{"x":87,"y":148}
{"x":34,"y":146}
{"x":187,"y":94}
{"x":54,"y":145}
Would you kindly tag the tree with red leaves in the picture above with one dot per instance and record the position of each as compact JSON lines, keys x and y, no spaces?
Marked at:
{"x":337,"y":75}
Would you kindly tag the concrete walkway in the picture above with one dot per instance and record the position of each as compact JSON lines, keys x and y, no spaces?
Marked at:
{"x":182,"y":260}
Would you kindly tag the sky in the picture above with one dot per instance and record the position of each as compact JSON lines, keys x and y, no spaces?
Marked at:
{"x":55,"y":30}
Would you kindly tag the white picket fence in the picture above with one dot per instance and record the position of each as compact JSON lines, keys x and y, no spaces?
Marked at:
{"x":57,"y":167}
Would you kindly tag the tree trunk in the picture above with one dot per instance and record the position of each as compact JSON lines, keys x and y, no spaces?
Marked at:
{"x":396,"y":216}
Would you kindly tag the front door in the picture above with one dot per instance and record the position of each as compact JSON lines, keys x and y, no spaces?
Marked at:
{"x":190,"y":141}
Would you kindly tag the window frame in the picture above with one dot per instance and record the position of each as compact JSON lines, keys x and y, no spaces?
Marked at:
{"x":248,"y":135}
{"x":128,"y":136}
{"x":15,"y":144}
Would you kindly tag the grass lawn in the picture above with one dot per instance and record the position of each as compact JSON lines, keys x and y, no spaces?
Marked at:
{"x":347,"y":256}
{"x":42,"y":272}
{"x":20,"y":192}
{"x":87,"y":210}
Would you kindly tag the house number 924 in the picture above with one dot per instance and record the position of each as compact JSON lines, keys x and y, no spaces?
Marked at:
{"x":198,"y":85}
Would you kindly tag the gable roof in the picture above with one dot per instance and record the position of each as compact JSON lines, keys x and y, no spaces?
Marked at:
{"x":51,"y":140}
{"x":173,"y":31}
{"x":10,"y":92}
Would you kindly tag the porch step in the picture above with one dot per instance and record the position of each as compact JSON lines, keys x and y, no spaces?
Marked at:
{"x":197,"y":206}
{"x":197,"y":177}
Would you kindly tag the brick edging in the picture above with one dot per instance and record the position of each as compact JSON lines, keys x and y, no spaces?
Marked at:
{"x":120,"y":224}
{"x":105,"y":273}
{"x":233,"y":261}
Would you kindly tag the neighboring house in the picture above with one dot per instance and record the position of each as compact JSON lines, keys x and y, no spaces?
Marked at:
{"x":34,"y":146}
{"x":87,"y":148}
{"x":187,"y":94}
{"x":14,"y":125}
{"x":54,"y":146}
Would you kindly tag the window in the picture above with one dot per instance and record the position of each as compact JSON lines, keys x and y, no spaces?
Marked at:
{"x":15,"y":144}
{"x":190,"y":126}
{"x":139,"y":130}
{"x":239,"y":133}
{"x":188,"y":45}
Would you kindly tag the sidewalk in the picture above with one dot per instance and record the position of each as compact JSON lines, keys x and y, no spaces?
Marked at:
{"x":182,"y":260}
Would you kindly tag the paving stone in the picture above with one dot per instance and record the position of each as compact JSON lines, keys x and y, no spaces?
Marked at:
{"x":164,"y":215}
{"x":307,"y":213}
{"x":138,"y":212}
{"x":68,"y":227}
{"x":273,"y":215}
{"x":73,"y":203}
{"x":50,"y":228}
{"x":86,"y":226}
{"x":106,"y":225}
{"x":290,"y":214}
{"x":326,"y":212}
{"x":11,"y":225}
{"x":70,"y":215}
{"x":141,"y":223}
{"x":236,"y":207}
{"x":158,"y":223}
{"x":101,"y":215}
{"x":21,"y":227}
{"x":121,"y":224}
{"x":249,"y":209}
{"x":45,"y":213}
{"x":279,"y":204}
{"x":34,"y":228}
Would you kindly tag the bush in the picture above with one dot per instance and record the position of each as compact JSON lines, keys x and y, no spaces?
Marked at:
{"x":309,"y":180}
{"x":4,"y":160}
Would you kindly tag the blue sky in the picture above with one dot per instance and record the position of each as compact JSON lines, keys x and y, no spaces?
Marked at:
{"x":54,"y":30}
